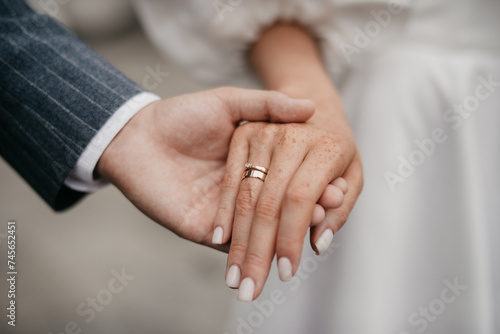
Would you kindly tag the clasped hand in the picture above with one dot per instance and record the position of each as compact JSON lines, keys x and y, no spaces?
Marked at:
{"x":261,"y":219}
{"x":178,"y":161}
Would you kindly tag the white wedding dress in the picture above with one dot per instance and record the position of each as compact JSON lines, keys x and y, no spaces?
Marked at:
{"x":421,"y":87}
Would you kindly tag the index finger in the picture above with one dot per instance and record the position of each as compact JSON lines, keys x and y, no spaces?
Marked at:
{"x":302,"y":194}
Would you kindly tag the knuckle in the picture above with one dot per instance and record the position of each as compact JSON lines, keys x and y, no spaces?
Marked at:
{"x":298,"y":194}
{"x":222,"y":94}
{"x":328,"y":142}
{"x":294,"y":134}
{"x":237,"y":250}
{"x":224,"y":211}
{"x":341,"y":157}
{"x":255,"y":260}
{"x":267,"y":134}
{"x":242,"y":133}
{"x":229,"y":183}
{"x":332,"y":153}
{"x":268,"y":210}
{"x":290,"y":131}
{"x":247,"y":198}
{"x":275,"y":99}
{"x":329,"y":147}
{"x":287,"y":243}
{"x":239,"y":133}
{"x":227,"y":186}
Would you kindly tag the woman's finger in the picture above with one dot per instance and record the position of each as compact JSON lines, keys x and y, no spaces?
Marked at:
{"x":238,"y":154}
{"x":287,"y":157}
{"x":321,"y":236}
{"x":317,"y":170}
{"x":259,"y":154}
{"x":332,"y":198}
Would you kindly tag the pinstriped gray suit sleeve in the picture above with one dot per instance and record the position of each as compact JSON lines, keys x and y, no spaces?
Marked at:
{"x":55,"y":94}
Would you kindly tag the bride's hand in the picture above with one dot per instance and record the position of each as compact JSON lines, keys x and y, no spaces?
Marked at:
{"x":272,"y":217}
{"x":169,"y":160}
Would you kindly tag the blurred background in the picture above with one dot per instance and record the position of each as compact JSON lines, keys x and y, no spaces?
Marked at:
{"x":66,"y":261}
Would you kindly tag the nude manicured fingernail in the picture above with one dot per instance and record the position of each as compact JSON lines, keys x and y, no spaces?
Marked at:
{"x":324,"y":241}
{"x":233,"y":276}
{"x":217,"y":237}
{"x":285,"y":269}
{"x":247,"y":287}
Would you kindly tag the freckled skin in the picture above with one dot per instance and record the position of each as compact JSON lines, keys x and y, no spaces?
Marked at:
{"x":171,"y":157}
{"x":311,"y":157}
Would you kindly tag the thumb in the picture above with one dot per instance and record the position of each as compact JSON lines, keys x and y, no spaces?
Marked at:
{"x":259,"y":105}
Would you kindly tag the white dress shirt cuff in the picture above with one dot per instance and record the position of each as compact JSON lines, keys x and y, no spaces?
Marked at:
{"x":81,"y":177}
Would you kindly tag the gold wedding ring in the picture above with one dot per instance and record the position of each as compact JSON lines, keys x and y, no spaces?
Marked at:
{"x":257,"y":172}
{"x":259,"y":168}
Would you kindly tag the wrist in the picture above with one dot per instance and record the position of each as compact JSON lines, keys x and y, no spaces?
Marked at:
{"x":329,"y":108}
{"x":133,"y":134}
{"x":287,"y":59}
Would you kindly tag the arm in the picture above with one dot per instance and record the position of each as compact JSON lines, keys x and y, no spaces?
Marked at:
{"x":56,"y":94}
{"x":288,"y":60}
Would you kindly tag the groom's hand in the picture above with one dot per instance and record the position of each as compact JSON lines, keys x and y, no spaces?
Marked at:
{"x":169,"y":160}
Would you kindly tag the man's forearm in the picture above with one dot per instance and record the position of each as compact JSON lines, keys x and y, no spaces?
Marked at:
{"x":56,"y":94}
{"x":287,"y":59}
